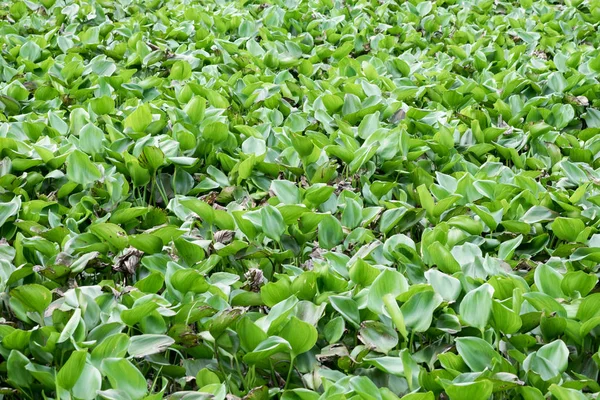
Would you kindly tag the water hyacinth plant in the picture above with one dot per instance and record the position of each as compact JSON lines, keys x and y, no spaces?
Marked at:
{"x":299,"y":199}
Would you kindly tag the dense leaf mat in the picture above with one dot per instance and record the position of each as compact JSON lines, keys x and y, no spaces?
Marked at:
{"x":299,"y":199}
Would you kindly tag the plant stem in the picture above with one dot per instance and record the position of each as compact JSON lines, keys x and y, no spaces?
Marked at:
{"x":289,"y":375}
{"x":161,"y":190}
{"x":273,"y":378}
{"x":145,"y":194}
{"x":219,"y":361}
{"x":244,"y":383}
{"x":152,"y":188}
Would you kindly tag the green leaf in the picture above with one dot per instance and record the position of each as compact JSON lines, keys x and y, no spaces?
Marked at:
{"x":332,"y":103}
{"x":205,"y":211}
{"x":469,"y":390}
{"x":88,"y":383}
{"x":69,"y":373}
{"x":507,"y":249}
{"x":476,"y":306}
{"x":9,"y":209}
{"x":561,"y":393}
{"x":378,"y":336}
{"x":448,"y":287}
{"x":206,"y":377}
{"x":361,"y":157}
{"x":548,"y":280}
{"x":363,"y":273}
{"x":81,"y":170}
{"x":147,"y":243}
{"x":16,"y":363}
{"x":30,"y":51}
{"x":216,"y":132}
{"x":287,"y":192}
{"x":538,"y":214}
{"x":562,"y":115}
{"x":137,"y":313}
{"x":419,"y":396}
{"x":114,"y":346}
{"x":90,"y":139}
{"x":418,"y":310}
{"x":541,"y":302}
{"x":391,"y":218}
{"x":195,"y":109}
{"x":556,"y":353}
{"x":443,"y":259}
{"x":70,"y":326}
{"x":124,"y":376}
{"x":144,"y":345}
{"x":365,"y":388}
{"x":505,"y":319}
{"x":272,"y":222}
{"x":334,"y":329}
{"x":531,"y":393}
{"x":477,"y":353}
{"x":391,"y":307}
{"x":250,"y":334}
{"x":266,"y":349}
{"x":540,"y":366}
{"x":274,"y":292}
{"x":427,"y":201}
{"x":347,"y":309}
{"x":33,"y":296}
{"x":330,"y":232}
{"x":567,"y":228}
{"x":44,"y":375}
{"x":103,"y":105}
{"x":181,"y":70}
{"x":388,"y":282}
{"x":224,"y":320}
{"x":301,"y":335}
{"x":352,"y":214}
{"x":152,"y":158}
{"x":111,"y":233}
{"x":578,"y":281}
{"x":318,"y":193}
{"x":139,"y":119}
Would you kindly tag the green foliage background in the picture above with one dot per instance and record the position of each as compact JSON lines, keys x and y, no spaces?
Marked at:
{"x":299,"y":199}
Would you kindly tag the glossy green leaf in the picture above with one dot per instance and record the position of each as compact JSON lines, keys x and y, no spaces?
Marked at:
{"x":81,"y":170}
{"x":476,"y":306}
{"x":124,"y":376}
{"x":477,"y":353}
